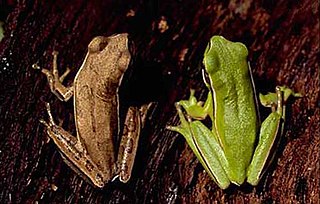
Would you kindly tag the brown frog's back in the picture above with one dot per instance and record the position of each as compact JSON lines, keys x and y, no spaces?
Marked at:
{"x":96,"y":97}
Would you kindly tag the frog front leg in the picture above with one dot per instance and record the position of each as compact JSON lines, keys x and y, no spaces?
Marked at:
{"x":269,"y":131}
{"x":74,"y":151}
{"x":55,"y":82}
{"x":196,"y":109}
{"x":199,"y":110}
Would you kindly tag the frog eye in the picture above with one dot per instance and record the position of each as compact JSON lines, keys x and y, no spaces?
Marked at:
{"x":97,"y":44}
{"x":211,"y":61}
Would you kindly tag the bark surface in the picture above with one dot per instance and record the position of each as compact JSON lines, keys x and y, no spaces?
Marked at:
{"x":169,"y":41}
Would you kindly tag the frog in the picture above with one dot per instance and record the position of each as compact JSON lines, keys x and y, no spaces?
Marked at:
{"x":92,"y":153}
{"x":235,"y":148}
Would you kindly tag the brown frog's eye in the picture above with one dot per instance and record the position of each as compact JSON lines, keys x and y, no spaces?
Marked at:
{"x":97,"y":44}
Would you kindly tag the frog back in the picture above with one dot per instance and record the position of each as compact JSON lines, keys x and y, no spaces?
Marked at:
{"x":96,"y":98}
{"x":235,"y":114}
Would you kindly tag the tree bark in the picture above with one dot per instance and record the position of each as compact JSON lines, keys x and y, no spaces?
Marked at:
{"x":169,"y":41}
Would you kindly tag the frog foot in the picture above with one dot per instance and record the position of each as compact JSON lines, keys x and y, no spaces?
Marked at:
{"x":194,"y":108}
{"x":55,"y":82}
{"x":51,"y":122}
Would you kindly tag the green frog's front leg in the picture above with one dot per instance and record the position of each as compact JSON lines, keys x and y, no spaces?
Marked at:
{"x":196,"y":109}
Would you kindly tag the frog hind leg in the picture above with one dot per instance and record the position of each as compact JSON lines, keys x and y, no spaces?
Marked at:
{"x":271,"y":128}
{"x":133,"y":124}
{"x":202,"y":142}
{"x":268,"y":133}
{"x":74,"y":153}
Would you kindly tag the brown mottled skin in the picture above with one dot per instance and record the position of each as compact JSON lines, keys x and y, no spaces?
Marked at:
{"x":96,"y":107}
{"x":96,"y":98}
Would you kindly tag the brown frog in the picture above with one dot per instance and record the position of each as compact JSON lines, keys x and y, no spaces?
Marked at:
{"x":96,"y":112}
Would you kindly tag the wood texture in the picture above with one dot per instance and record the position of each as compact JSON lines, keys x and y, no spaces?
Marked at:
{"x":170,"y":38}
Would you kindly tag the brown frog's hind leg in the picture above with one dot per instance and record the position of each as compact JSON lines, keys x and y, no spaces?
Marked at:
{"x":75,"y":153}
{"x":134,"y":121}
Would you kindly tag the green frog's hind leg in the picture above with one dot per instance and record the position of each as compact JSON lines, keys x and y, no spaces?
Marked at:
{"x":204,"y":145}
{"x":271,"y":128}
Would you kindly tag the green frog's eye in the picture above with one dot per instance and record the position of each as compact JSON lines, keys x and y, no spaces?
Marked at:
{"x":211,"y":61}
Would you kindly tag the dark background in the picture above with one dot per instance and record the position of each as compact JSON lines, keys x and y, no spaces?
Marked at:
{"x":283,"y":42}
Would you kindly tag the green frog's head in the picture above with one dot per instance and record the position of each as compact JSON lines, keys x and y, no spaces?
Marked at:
{"x":220,"y":51}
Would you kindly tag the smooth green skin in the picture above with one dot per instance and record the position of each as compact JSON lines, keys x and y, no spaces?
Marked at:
{"x":1,"y":31}
{"x":228,"y":151}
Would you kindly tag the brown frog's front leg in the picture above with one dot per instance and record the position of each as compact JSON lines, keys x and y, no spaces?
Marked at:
{"x":55,"y":82}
